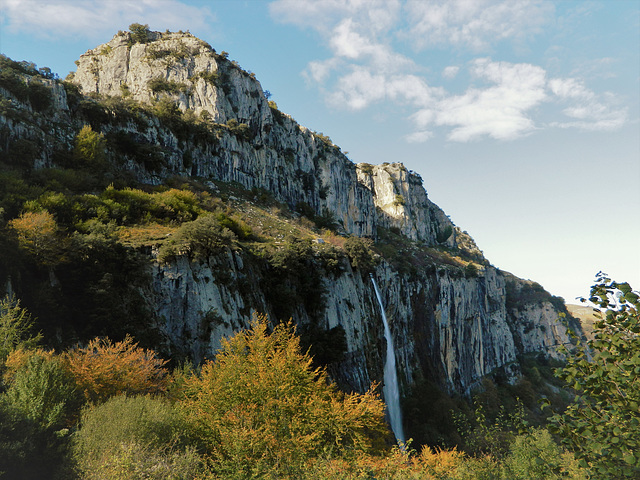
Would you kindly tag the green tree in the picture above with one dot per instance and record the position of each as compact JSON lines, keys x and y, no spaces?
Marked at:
{"x":16,"y":326}
{"x":602,"y":423}
{"x":139,"y":33}
{"x":43,"y":391}
{"x":201,"y":238}
{"x":536,"y":455}
{"x":264,"y":410}
{"x":90,"y":148}
{"x":360,"y":254}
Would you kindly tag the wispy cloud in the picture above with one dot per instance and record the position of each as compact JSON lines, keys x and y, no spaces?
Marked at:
{"x":322,"y":15}
{"x":586,"y":109}
{"x":95,"y":18}
{"x":473,"y":24}
{"x":451,"y":71}
{"x":503,"y":99}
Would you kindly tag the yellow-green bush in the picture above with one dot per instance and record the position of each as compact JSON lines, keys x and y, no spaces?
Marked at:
{"x":135,"y":437}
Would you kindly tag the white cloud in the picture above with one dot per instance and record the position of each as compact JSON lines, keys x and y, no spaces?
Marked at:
{"x":502,"y":110}
{"x":367,"y":71}
{"x":96,"y":18}
{"x":450,"y":71}
{"x":502,"y":102}
{"x":420,"y":136}
{"x":569,"y":88}
{"x":358,"y":89}
{"x":319,"y":70}
{"x":587,"y":110}
{"x":322,"y":15}
{"x":361,"y":87}
{"x":473,"y":23}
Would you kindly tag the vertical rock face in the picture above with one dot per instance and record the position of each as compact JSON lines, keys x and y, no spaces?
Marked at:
{"x":450,"y":323}
{"x":452,"y":329}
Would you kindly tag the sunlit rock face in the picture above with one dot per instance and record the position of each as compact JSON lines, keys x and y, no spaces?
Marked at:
{"x":294,"y":163}
{"x":445,"y":326}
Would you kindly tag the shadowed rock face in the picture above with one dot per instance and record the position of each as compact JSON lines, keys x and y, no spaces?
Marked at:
{"x":447,"y":324}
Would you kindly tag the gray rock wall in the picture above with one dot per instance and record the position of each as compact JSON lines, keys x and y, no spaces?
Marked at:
{"x":445,"y":326}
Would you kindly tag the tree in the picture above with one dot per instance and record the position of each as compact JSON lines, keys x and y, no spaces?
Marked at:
{"x":15,"y":328}
{"x":43,"y":391}
{"x":37,"y":234}
{"x":262,"y":407}
{"x":90,"y":148}
{"x":359,"y":251}
{"x":139,"y":33}
{"x":104,"y":369}
{"x":201,"y":238}
{"x":602,"y":423}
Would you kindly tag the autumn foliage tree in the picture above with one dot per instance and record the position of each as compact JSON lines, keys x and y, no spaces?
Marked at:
{"x":104,"y":369}
{"x":37,"y":235}
{"x":262,"y":408}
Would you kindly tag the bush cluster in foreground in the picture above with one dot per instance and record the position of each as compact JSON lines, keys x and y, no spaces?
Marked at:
{"x":113,"y":410}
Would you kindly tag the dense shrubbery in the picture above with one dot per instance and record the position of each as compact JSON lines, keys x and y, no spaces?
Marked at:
{"x":260,"y":410}
{"x":135,"y":437}
{"x":360,"y":254}
{"x":42,"y":390}
{"x":199,"y":239}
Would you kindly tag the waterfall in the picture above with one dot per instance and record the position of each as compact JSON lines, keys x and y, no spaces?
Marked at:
{"x":391,"y":390}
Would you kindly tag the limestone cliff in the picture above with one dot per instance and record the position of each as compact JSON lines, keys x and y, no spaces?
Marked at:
{"x":452,"y":314}
{"x":290,"y":161}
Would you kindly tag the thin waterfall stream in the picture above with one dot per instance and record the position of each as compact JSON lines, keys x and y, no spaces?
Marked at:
{"x":391,"y":389}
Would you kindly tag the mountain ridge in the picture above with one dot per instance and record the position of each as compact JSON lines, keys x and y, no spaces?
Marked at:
{"x":456,"y":318}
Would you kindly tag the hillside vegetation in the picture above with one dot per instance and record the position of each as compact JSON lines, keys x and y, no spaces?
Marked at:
{"x":102,"y":196}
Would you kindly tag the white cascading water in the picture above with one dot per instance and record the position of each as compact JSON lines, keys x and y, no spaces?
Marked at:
{"x":391,"y":390}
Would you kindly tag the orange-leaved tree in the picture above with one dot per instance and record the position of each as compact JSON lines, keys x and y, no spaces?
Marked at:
{"x":104,"y":369}
{"x":263,"y":409}
{"x":37,"y":235}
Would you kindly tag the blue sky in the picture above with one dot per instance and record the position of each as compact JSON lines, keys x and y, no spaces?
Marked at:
{"x":522,"y":116}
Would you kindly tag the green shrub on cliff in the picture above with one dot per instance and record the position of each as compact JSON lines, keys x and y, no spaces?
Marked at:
{"x":199,"y":239}
{"x":360,"y":254}
{"x":139,"y":33}
{"x":90,"y":148}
